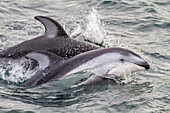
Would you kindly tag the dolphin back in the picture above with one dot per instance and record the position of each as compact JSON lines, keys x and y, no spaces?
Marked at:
{"x":55,"y":40}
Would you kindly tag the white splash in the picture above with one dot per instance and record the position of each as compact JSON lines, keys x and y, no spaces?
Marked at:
{"x":15,"y":72}
{"x":77,"y":30}
{"x":94,"y":31}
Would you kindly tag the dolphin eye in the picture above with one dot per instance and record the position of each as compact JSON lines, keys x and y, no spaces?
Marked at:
{"x":122,"y":60}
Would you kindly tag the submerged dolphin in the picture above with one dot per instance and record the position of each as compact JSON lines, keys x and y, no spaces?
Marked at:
{"x":52,"y":67}
{"x":55,"y":40}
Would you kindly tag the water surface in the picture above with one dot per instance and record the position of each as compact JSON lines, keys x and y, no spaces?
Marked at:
{"x":142,"y":26}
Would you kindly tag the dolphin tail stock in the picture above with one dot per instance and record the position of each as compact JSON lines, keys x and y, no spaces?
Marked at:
{"x":45,"y":61}
{"x":52,"y":28}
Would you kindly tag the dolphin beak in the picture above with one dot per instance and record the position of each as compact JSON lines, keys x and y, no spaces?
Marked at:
{"x":144,"y":64}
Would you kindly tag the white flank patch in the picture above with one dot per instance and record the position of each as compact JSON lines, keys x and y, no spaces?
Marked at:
{"x":97,"y":62}
{"x":42,"y":59}
{"x":111,"y":61}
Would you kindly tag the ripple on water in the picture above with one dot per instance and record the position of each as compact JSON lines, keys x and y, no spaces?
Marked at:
{"x":162,"y":3}
{"x":141,"y":26}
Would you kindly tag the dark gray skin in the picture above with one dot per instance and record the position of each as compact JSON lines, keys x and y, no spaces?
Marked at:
{"x":54,"y":40}
{"x":61,"y":67}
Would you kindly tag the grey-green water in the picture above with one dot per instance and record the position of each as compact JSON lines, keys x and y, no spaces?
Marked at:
{"x":142,"y":26}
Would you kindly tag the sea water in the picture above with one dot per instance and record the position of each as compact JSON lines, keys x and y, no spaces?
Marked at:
{"x":142,"y":26}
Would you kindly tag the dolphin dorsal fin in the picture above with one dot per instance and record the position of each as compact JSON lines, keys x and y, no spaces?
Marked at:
{"x":44,"y":58}
{"x":52,"y":28}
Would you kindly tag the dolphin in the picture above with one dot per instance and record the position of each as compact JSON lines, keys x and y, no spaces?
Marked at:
{"x":52,"y":66}
{"x":54,"y":40}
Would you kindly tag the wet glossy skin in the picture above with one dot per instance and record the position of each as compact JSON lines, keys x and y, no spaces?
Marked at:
{"x":83,"y":61}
